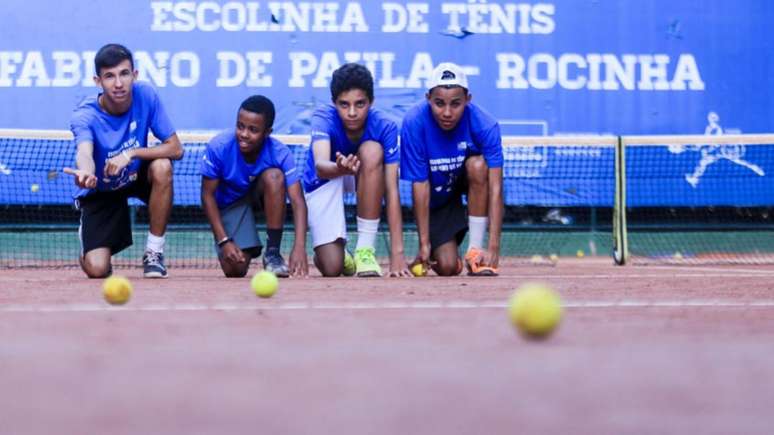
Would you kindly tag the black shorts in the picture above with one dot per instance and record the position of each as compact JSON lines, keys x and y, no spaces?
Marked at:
{"x":448,"y":222}
{"x":105,"y":221}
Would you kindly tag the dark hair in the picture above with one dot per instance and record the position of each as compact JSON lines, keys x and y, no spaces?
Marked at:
{"x":262,"y":106}
{"x":111,"y":55}
{"x":352,"y":76}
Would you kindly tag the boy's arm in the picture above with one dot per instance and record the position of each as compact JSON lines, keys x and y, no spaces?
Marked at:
{"x":398,"y":265}
{"x":421,"y":195}
{"x":230,"y":250}
{"x":326,"y":169}
{"x":169,"y":149}
{"x":299,"y":265}
{"x":84,"y":166}
{"x":495,"y":214}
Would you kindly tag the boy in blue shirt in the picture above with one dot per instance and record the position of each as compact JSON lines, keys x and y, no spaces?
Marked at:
{"x":353,"y":142}
{"x":244,"y":168}
{"x":451,"y":147}
{"x":114,"y":162}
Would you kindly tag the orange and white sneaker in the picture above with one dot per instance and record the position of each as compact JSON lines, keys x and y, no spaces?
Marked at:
{"x":475,"y":266}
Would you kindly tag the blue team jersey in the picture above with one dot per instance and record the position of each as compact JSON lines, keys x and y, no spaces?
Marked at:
{"x":326,"y":125}
{"x":112,"y":134}
{"x":430,"y":153}
{"x":224,"y":162}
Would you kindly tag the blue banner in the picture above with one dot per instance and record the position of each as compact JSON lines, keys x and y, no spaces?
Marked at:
{"x":553,"y":67}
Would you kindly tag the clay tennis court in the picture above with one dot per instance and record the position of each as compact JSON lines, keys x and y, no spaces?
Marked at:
{"x":641,"y":350}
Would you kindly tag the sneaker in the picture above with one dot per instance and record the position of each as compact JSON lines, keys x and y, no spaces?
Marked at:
{"x":153,"y":265}
{"x":349,"y":263}
{"x":274,"y":263}
{"x":365,"y":263}
{"x":474,"y":265}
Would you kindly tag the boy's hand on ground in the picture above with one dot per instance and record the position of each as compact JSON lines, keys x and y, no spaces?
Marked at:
{"x":398,"y":266}
{"x":299,"y":265}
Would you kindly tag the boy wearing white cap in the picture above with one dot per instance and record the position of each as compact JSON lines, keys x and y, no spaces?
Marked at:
{"x":450,"y":147}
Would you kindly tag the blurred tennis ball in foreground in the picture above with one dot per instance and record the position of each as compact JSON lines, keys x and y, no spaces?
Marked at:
{"x":419,"y":269}
{"x":264,"y":284}
{"x":535,"y":309}
{"x":117,"y":290}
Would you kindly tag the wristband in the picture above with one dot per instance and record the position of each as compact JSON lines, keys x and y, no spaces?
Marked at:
{"x":224,"y":240}
{"x":126,"y":156}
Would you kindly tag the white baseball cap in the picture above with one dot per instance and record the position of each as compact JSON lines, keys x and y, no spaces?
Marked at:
{"x":447,"y":74}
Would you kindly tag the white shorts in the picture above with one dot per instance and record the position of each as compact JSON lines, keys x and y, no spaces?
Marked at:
{"x":325,"y":208}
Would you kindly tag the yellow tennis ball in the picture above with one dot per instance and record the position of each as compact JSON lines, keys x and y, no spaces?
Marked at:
{"x":419,"y":269}
{"x":535,"y":309}
{"x":117,"y":290}
{"x":264,"y":284}
{"x":34,"y":187}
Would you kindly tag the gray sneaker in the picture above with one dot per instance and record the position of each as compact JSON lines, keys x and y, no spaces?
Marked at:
{"x":153,"y":265}
{"x":274,"y":263}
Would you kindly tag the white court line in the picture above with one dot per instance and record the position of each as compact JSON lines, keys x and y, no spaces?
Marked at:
{"x":695,"y":273}
{"x":716,"y":269}
{"x":359,"y":306}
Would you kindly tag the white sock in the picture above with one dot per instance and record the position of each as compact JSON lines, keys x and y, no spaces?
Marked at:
{"x":155,"y":243}
{"x":366,"y":232}
{"x":477,"y":226}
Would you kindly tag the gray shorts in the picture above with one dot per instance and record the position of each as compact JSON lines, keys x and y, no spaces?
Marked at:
{"x":239,"y":222}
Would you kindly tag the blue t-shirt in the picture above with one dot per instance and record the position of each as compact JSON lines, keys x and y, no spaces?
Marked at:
{"x":326,"y":125}
{"x":113,"y":134}
{"x":430,"y":153}
{"x":223,"y":161}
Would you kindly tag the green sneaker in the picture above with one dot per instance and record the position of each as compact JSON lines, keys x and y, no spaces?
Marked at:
{"x":365,"y":263}
{"x":349,"y":263}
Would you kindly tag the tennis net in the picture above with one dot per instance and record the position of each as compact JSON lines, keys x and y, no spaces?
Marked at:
{"x":702,"y":199}
{"x":650,"y":199}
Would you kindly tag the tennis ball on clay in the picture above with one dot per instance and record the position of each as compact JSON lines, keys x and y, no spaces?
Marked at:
{"x":117,"y":290}
{"x":535,"y":309}
{"x":419,"y":269}
{"x":554,"y":258}
{"x":580,"y":253}
{"x":264,"y":284}
{"x":536,"y":259}
{"x":34,"y":187}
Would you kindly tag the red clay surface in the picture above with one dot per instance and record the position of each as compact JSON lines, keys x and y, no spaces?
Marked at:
{"x":641,"y":350}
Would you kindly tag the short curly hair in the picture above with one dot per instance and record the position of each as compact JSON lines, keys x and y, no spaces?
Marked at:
{"x":262,"y":106}
{"x":352,"y":76}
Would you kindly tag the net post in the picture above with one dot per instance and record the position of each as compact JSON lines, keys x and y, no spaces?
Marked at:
{"x":620,"y":245}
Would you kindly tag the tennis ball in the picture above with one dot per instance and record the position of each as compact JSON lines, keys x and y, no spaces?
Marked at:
{"x":535,"y":309}
{"x":554,"y":258}
{"x":264,"y":284}
{"x":580,"y":253}
{"x":117,"y":290}
{"x":34,"y":187}
{"x":419,"y":270}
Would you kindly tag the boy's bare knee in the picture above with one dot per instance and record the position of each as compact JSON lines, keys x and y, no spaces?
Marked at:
{"x":160,"y":171}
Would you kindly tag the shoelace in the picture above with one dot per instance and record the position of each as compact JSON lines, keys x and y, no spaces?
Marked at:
{"x":366,"y":257}
{"x":153,"y":257}
{"x":274,"y":259}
